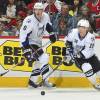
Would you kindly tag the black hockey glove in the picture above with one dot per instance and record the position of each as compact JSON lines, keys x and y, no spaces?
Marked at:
{"x":27,"y":53}
{"x":67,"y":59}
{"x":67,"y":52}
{"x":68,"y":48}
{"x":49,"y":28}
{"x":52,"y":38}
{"x":32,"y":52}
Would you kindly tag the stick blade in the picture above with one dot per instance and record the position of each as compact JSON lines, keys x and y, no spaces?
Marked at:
{"x":2,"y":74}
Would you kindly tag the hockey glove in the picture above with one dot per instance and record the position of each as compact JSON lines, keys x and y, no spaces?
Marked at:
{"x":49,"y":28}
{"x":66,"y":50}
{"x":79,"y":55}
{"x":52,"y":38}
{"x":67,"y":60}
{"x":28,"y":54}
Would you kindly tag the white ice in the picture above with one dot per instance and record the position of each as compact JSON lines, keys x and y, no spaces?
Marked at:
{"x":50,"y":94}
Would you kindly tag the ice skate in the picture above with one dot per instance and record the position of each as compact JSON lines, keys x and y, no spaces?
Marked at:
{"x":48,"y":84}
{"x":32,"y":84}
{"x":97,"y":86}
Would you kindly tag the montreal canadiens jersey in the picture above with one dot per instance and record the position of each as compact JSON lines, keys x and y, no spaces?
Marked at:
{"x":84,"y":45}
{"x":33,"y":30}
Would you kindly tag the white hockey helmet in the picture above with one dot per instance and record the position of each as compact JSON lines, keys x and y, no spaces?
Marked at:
{"x":38,"y":5}
{"x":84,"y":23}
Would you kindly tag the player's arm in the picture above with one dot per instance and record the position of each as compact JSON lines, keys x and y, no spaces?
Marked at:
{"x":68,"y":43}
{"x":88,"y":51}
{"x":68,"y":51}
{"x":52,"y":36}
{"x":49,"y":29}
{"x":25,"y":31}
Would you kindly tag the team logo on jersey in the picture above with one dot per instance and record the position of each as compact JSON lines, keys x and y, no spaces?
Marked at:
{"x":25,"y":27}
{"x":28,"y":21}
{"x":92,"y":38}
{"x":75,"y":40}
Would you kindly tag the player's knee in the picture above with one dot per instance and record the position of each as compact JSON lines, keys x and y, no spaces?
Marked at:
{"x":35,"y":78}
{"x":44,"y":69}
{"x":44,"y":58}
{"x":87,"y":69}
{"x":35,"y":72}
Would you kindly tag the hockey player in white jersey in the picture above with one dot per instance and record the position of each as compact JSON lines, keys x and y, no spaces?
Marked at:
{"x":80,"y":43}
{"x":31,"y":33}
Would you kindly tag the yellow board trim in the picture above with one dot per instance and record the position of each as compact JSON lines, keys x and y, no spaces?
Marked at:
{"x":62,"y":82}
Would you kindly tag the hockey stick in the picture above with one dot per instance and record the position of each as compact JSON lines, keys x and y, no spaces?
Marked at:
{"x":50,"y":74}
{"x":2,"y":74}
{"x":22,"y":60}
{"x":75,"y":60}
{"x":46,"y":44}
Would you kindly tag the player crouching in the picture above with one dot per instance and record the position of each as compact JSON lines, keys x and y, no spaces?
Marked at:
{"x":80,"y":45}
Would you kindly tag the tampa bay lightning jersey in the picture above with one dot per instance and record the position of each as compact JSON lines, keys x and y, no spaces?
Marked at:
{"x":84,"y":45}
{"x":32,"y":30}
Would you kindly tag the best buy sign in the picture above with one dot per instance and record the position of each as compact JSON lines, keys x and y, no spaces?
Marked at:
{"x":55,"y":52}
{"x":11,"y":54}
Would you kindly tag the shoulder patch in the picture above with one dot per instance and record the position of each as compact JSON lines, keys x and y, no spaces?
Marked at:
{"x":25,"y":27}
{"x":92,"y":38}
{"x":28,"y":21}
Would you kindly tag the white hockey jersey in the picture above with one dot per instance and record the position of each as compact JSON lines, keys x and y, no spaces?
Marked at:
{"x":85,"y":45}
{"x":32,"y":30}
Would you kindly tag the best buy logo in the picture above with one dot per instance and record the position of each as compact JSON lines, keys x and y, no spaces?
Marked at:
{"x":55,"y":52}
{"x":11,"y":54}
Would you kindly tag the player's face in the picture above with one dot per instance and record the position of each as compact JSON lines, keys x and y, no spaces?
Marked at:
{"x":82,"y":31}
{"x":38,"y":13}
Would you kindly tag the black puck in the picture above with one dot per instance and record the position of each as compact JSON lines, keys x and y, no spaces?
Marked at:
{"x":42,"y":92}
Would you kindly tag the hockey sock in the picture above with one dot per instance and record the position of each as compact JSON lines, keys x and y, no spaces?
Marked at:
{"x":92,"y":79}
{"x":45,"y":70}
{"x":35,"y":76}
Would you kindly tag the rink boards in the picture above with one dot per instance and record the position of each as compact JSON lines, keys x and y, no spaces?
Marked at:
{"x":64,"y":76}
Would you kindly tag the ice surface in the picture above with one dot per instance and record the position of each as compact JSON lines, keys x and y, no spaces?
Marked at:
{"x":51,"y":94}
